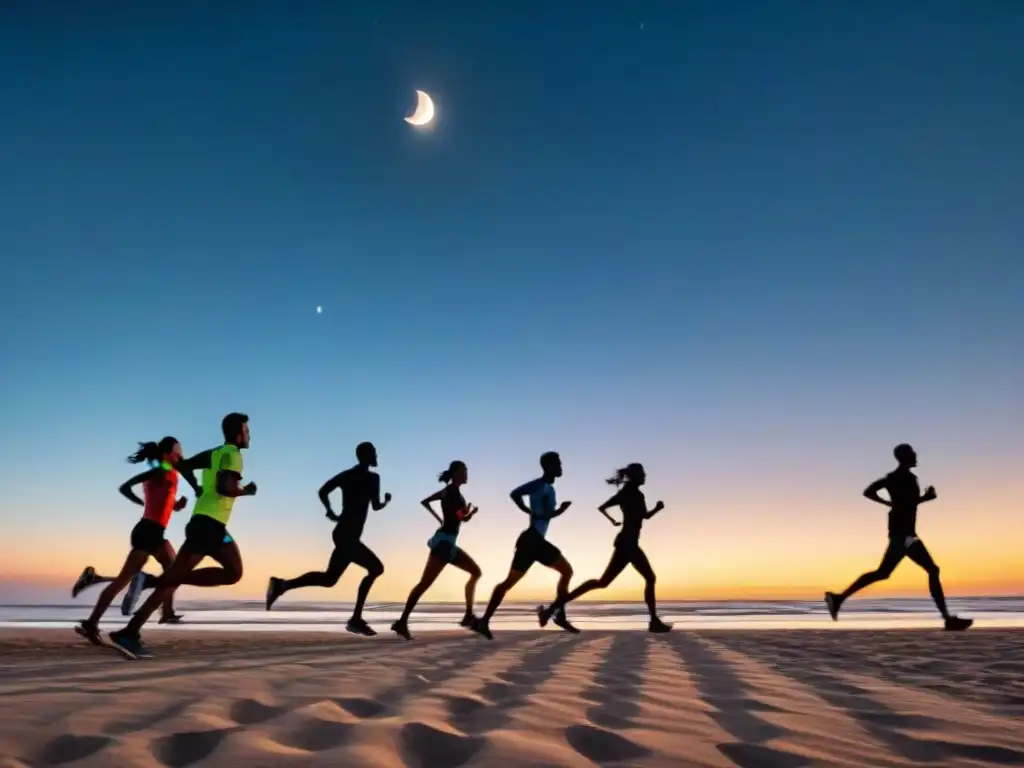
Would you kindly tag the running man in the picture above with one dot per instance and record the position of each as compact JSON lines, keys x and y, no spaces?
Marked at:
{"x":633,"y":504}
{"x":443,"y":550}
{"x":532,"y":546}
{"x":160,"y":488}
{"x":904,"y":497}
{"x":206,"y":534}
{"x":360,"y":488}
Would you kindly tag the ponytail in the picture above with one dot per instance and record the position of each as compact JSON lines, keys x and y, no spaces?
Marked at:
{"x":619,"y":477}
{"x":147,"y":452}
{"x":153,"y":452}
{"x":449,"y":474}
{"x":629,"y":473}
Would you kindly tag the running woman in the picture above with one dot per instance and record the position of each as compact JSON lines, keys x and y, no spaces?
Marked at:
{"x":160,"y":488}
{"x":360,"y":489}
{"x":633,"y":505}
{"x":206,"y":534}
{"x":443,"y":550}
{"x":904,"y":497}
{"x":532,"y":546}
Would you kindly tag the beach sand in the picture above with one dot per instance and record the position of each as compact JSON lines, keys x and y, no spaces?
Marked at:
{"x":777,"y":699}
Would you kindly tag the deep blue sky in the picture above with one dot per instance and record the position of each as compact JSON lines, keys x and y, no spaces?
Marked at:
{"x":751,"y":244}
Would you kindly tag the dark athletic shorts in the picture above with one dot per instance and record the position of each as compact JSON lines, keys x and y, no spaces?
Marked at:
{"x":627,"y":544}
{"x":532,"y":548}
{"x":148,"y":536}
{"x":206,"y":536}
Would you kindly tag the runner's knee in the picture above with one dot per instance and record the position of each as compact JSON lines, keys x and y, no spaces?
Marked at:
{"x":932,"y":570}
{"x":375,"y":570}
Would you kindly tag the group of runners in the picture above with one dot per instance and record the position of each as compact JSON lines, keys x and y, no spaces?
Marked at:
{"x":206,"y":535}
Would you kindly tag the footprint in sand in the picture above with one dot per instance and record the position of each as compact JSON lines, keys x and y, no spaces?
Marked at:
{"x":601,"y":746}
{"x":756,"y":756}
{"x":143,"y":722}
{"x":69,"y":748}
{"x":252,"y":712}
{"x":183,"y":749}
{"x":425,"y":747}
{"x":317,"y":735}
{"x":496,"y":691}
{"x":364,"y":709}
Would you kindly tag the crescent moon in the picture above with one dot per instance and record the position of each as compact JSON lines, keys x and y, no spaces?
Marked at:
{"x":424,"y":110}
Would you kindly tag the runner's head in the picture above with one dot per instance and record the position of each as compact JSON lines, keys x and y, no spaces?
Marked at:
{"x":235,"y":427}
{"x":457,"y":474}
{"x":551,"y":464}
{"x":905,"y":455}
{"x":632,"y":473}
{"x":167,"y":451}
{"x":366,"y":454}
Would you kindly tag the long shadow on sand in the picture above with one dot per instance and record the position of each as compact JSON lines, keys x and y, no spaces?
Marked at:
{"x":618,"y":682}
{"x":887,"y":725}
{"x":734,"y":709}
{"x":513,"y":689}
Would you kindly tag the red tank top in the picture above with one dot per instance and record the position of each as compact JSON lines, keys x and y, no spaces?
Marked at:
{"x":160,"y":494}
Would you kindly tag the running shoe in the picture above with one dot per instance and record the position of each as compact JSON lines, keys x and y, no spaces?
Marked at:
{"x":90,"y":632}
{"x":401,"y":629}
{"x":561,"y":620}
{"x":87,"y":579}
{"x":131,"y":646}
{"x":658,"y":626}
{"x":832,"y":603}
{"x":360,"y":627}
{"x":956,"y":624}
{"x":274,"y":590}
{"x":482,"y":627}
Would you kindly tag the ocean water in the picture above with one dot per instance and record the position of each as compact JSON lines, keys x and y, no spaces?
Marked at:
{"x":759,"y":614}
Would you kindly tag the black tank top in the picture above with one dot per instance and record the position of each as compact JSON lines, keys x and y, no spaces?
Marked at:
{"x":633,"y":505}
{"x":452,"y":504}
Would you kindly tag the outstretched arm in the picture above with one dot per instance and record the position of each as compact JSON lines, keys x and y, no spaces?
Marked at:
{"x":871,"y":492}
{"x":127,"y":489}
{"x":603,"y":509}
{"x":430,"y":500}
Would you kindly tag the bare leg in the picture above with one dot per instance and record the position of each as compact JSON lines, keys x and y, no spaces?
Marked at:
{"x":431,"y":571}
{"x":132,"y":565}
{"x":918,"y":553}
{"x":466,"y":563}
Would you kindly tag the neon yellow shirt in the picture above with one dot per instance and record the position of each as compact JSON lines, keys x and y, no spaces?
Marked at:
{"x":212,"y":504}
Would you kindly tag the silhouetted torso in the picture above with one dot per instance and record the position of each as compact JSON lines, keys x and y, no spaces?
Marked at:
{"x":633,"y":505}
{"x":905,"y":494}
{"x":358,"y":486}
{"x":452,"y":502}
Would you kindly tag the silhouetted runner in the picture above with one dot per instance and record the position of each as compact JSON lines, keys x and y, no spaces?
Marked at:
{"x":360,"y":489}
{"x":904,"y":497}
{"x":206,"y":534}
{"x":443,"y":548}
{"x":631,"y":502}
{"x":532,"y":545}
{"x":160,"y":488}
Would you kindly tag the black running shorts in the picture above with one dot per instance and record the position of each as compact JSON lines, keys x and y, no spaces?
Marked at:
{"x":532,"y":548}
{"x":148,"y":536}
{"x":206,"y":536}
